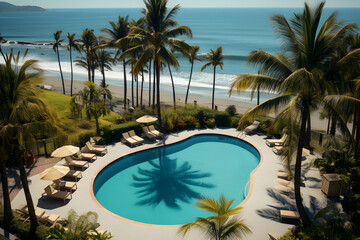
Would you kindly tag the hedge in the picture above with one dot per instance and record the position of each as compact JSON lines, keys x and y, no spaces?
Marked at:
{"x":114,"y":133}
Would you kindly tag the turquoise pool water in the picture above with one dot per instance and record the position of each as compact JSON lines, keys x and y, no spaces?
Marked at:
{"x":161,"y":185}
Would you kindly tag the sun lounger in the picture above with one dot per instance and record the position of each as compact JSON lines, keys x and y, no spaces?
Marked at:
{"x":278,"y":150}
{"x":283,"y":175}
{"x":85,"y":156}
{"x":285,"y":183}
{"x":148,"y":134}
{"x":155,"y":132}
{"x":53,"y":193}
{"x":76,"y":163}
{"x":283,"y":189}
{"x":273,"y":236}
{"x":289,"y":215}
{"x":129,"y":139}
{"x":278,"y":142}
{"x":133,"y":135}
{"x":94,"y":140}
{"x":252,"y":127}
{"x":58,"y":184}
{"x":97,"y":150}
{"x":23,"y":209}
{"x":74,"y":174}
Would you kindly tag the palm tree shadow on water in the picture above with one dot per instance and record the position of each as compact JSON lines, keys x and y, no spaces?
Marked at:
{"x":169,"y":182}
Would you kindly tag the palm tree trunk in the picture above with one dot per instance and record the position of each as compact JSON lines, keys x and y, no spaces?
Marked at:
{"x":137,"y":90}
{"x":154,"y":86}
{"x":132,"y":85}
{"x":333,"y":126}
{"x":97,"y":126}
{"x":88,"y":64}
{"x":354,"y":125}
{"x":150,"y":83}
{"x":258,"y":95}
{"x":103,"y":81}
{"x":299,"y":205}
{"x":308,"y":132}
{"x":213,"y":93}
{"x":93,"y":70}
{"x":157,"y":64}
{"x":187,"y":90}
{"x":62,"y":78}
{"x":173,"y":87}
{"x":357,"y":140}
{"x":142,"y":87}
{"x":125,"y":85}
{"x":71,"y":77}
{"x":8,"y":215}
{"x":33,"y":220}
{"x":2,"y":54}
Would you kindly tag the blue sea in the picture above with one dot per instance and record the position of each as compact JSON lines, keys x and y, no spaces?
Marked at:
{"x":237,"y":30}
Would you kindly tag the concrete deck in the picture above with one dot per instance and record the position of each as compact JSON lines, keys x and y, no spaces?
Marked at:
{"x":261,"y":211}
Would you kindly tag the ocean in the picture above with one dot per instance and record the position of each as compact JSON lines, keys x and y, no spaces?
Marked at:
{"x":237,"y":30}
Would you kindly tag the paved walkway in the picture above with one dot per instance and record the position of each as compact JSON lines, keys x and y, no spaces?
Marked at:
{"x":261,"y":211}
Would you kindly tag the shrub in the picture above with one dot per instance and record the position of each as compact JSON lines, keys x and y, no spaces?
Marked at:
{"x":201,"y":119}
{"x":83,"y":124}
{"x":234,"y":121}
{"x":211,"y":123}
{"x":114,"y":133}
{"x":222,"y":119}
{"x":231,"y":110}
{"x":190,"y":122}
{"x":84,"y":137}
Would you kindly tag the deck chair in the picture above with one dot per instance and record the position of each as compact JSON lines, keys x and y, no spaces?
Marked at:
{"x":24,"y":211}
{"x":285,"y":183}
{"x":53,"y":193}
{"x":74,"y":174}
{"x":284,"y":189}
{"x":252,"y":127}
{"x":76,"y":163}
{"x":278,"y":150}
{"x":278,"y":142}
{"x":148,"y":134}
{"x":129,"y":139}
{"x":85,"y":156}
{"x":283,"y":175}
{"x":97,"y":150}
{"x":289,"y":215}
{"x":273,"y":236}
{"x":49,"y":220}
{"x":155,"y":132}
{"x":58,"y":184}
{"x":133,"y":135}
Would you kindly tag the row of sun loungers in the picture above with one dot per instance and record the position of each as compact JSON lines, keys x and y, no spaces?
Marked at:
{"x":132,"y":139}
{"x":49,"y":220}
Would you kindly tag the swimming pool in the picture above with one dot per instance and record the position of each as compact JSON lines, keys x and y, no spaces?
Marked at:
{"x":160,"y":185}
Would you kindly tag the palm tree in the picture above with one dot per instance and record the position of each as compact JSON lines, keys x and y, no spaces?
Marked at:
{"x":21,"y":110}
{"x":215,"y":59}
{"x":56,"y":46}
{"x":300,"y":75}
{"x":224,"y":225}
{"x":1,"y":41}
{"x":88,"y":42}
{"x":192,"y":57}
{"x":118,"y":31}
{"x":104,"y":61}
{"x":73,"y":44}
{"x":156,"y":38}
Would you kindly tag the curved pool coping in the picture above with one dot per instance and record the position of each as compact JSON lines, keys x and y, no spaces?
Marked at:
{"x":178,"y":225}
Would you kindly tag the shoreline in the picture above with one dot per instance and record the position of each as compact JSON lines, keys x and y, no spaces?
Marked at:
{"x":167,"y":98}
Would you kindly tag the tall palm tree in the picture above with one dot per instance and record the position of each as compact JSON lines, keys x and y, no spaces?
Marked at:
{"x":192,"y":57}
{"x":56,"y":46}
{"x":104,"y":60}
{"x":300,"y":75}
{"x":215,"y":59}
{"x":21,"y":110}
{"x":224,"y":225}
{"x":88,"y":42}
{"x":72,"y":44}
{"x":118,"y":30}
{"x":156,"y":39}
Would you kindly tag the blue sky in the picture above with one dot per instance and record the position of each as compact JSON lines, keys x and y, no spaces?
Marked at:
{"x":183,"y":3}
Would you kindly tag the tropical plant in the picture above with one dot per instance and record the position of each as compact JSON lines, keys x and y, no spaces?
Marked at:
{"x":91,"y":98}
{"x":22,"y":111}
{"x":215,"y":59}
{"x":118,"y":30}
{"x":105,"y":61}
{"x":192,"y":57}
{"x":72,"y":44}
{"x":224,"y":225}
{"x":156,"y":38}
{"x":56,"y":46}
{"x":80,"y":227}
{"x":301,"y":76}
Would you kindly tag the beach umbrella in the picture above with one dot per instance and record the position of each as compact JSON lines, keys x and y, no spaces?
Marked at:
{"x":146,"y":119}
{"x":65,"y":151}
{"x":54,"y":173}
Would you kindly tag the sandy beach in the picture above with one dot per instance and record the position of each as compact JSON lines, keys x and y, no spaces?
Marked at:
{"x":166,"y":97}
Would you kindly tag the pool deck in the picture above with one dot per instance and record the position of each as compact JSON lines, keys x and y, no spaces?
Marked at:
{"x":260,"y":211}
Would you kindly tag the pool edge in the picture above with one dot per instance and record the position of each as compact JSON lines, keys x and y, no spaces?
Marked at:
{"x":153,"y":147}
